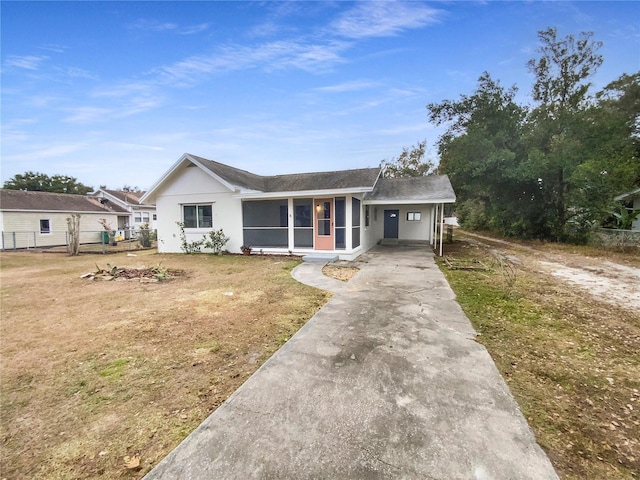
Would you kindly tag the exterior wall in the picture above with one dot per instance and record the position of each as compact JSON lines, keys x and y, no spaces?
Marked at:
{"x":24,"y":227}
{"x":190,"y":185}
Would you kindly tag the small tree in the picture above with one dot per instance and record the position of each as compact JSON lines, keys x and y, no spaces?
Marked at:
{"x":410,"y":163}
{"x":144,"y":235}
{"x":73,"y":227}
{"x":216,"y":241}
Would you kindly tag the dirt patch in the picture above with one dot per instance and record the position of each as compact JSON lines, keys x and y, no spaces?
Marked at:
{"x":100,"y":375}
{"x":566,"y":340}
{"x":342,"y":273}
{"x":606,"y":280}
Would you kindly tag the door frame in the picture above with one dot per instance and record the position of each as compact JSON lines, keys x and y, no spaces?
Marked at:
{"x":323,"y":242}
{"x":397,"y":222}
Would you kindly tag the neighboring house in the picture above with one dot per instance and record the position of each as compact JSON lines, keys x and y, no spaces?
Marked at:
{"x":137,"y":213}
{"x":342,"y":213}
{"x":633,"y":199}
{"x":39,"y":219}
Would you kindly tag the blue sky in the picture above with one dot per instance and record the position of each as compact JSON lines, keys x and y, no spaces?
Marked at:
{"x":114,"y":93}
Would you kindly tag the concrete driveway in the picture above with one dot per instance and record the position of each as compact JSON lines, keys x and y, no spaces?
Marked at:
{"x":385,"y":382}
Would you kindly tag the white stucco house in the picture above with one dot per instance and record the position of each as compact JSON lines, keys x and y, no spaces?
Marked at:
{"x":340,"y":213}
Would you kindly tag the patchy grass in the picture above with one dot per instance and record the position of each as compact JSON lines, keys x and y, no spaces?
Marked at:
{"x":571,"y":361}
{"x":95,"y":375}
{"x":339,"y":272}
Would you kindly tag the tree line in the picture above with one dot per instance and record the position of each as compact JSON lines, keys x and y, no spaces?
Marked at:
{"x":551,"y":170}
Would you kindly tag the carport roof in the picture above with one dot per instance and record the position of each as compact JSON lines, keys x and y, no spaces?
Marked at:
{"x":429,"y":189}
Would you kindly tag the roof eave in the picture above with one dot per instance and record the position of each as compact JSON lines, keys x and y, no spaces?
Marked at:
{"x":304,"y":193}
{"x":416,"y":201}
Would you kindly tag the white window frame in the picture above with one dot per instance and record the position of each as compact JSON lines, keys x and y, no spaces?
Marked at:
{"x":197,"y":207}
{"x":48,"y":230}
{"x":414,"y":216}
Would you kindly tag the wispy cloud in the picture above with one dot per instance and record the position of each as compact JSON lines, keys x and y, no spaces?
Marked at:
{"x":193,"y":29}
{"x":53,"y":48}
{"x":269,"y":56}
{"x":88,"y":114}
{"x":158,"y":26}
{"x":382,"y":19}
{"x":153,"y":25}
{"x":28,"y":62}
{"x":49,"y":151}
{"x":348,"y":86}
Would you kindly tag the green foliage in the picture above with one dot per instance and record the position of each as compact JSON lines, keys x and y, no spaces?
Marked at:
{"x":546,"y":172}
{"x":144,"y":235}
{"x":214,"y":241}
{"x":186,"y":246}
{"x":410,"y":163}
{"x":40,"y":182}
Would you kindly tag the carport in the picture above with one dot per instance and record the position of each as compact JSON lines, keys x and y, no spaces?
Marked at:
{"x":408,"y":210}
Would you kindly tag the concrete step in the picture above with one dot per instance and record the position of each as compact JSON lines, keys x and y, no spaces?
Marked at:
{"x":320,"y":257}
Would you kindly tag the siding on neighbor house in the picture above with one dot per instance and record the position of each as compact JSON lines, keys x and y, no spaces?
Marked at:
{"x":24,"y":227}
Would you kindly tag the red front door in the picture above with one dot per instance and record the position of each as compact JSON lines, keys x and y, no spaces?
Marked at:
{"x":323,"y":215}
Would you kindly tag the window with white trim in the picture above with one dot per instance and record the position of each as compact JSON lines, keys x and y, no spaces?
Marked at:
{"x":414,"y":216}
{"x":45,"y":226}
{"x":197,"y":216}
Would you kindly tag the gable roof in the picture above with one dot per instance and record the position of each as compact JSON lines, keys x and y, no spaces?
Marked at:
{"x":429,"y":189}
{"x":22,"y":200}
{"x":249,"y":184}
{"x":130,"y":198}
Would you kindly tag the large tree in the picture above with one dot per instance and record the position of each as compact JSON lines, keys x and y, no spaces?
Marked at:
{"x":482,"y":153}
{"x":550,"y":171}
{"x":555,"y":141}
{"x":41,"y":182}
{"x":410,"y":163}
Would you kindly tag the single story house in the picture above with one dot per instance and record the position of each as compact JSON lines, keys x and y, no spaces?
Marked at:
{"x":39,"y":219}
{"x":632,"y":199}
{"x":137,"y":213}
{"x":340,"y":214}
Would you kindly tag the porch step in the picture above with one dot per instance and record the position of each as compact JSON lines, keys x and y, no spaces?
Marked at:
{"x":389,"y":241}
{"x":320,"y":258}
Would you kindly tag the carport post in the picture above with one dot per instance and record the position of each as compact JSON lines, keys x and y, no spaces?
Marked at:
{"x":441,"y":224}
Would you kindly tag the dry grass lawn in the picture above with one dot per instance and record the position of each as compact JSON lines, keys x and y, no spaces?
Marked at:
{"x":570,"y":357}
{"x":98,"y":375}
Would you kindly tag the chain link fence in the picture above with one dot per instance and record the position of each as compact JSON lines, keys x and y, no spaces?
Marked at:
{"x":614,"y":238}
{"x":91,"y":241}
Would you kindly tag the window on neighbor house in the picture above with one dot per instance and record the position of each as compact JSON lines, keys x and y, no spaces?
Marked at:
{"x":145,"y":217}
{"x":155,"y":216}
{"x":137,"y":217}
{"x":414,"y":216}
{"x":197,"y":216}
{"x":45,"y":226}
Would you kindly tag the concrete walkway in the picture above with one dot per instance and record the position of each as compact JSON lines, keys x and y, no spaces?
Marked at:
{"x":385,"y":382}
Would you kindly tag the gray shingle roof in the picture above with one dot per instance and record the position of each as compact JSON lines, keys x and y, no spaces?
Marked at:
{"x":341,"y":179}
{"x":432,"y":188}
{"x":132,"y":198}
{"x":53,"y":202}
